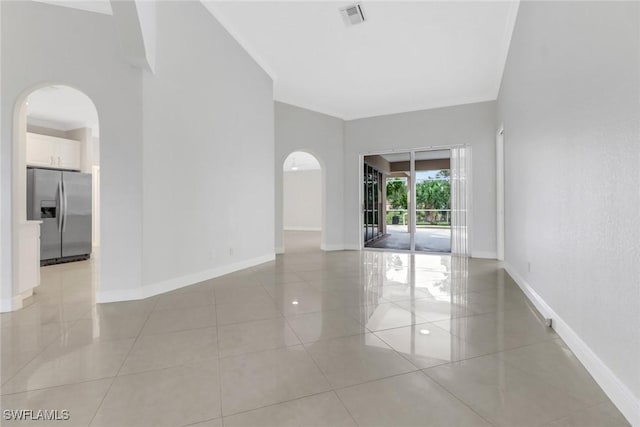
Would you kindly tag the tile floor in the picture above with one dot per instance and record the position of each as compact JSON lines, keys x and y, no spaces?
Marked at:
{"x":427,"y":239}
{"x":312,"y":339}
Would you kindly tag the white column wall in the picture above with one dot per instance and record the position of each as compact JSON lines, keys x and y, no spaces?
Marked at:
{"x":208,"y":124}
{"x":297,"y":129}
{"x":45,"y":44}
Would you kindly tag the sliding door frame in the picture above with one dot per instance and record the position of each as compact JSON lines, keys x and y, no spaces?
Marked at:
{"x":412,"y":193}
{"x":371,"y":203}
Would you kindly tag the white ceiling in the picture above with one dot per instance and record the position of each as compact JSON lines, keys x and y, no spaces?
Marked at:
{"x":98,"y":6}
{"x":62,"y":108}
{"x":407,"y":55}
{"x":301,"y":161}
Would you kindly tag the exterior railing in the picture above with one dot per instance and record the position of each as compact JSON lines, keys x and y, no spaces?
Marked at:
{"x":424,"y":217}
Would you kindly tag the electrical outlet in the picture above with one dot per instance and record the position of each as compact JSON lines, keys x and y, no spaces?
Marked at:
{"x":230,"y":251}
{"x":529,"y":267}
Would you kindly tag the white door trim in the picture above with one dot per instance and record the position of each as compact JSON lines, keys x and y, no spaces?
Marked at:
{"x":500,"y":193}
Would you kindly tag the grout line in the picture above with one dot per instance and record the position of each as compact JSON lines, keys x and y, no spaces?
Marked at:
{"x":45,"y":347}
{"x":376,"y":379}
{"x":320,"y":370}
{"x":124,"y":360}
{"x":262,"y":286}
{"x":178,"y":330}
{"x":341,"y":309}
{"x":533,"y":374}
{"x":166,"y":368}
{"x":101,"y":401}
{"x":457,"y":398}
{"x":512,"y":366}
{"x":367,"y":381}
{"x":398,"y":353}
{"x":607,"y":400}
{"x":276,"y":403}
{"x":345,"y":407}
{"x":215,"y":308}
{"x":57,"y":386}
{"x":280,"y":347}
{"x":205,"y":421}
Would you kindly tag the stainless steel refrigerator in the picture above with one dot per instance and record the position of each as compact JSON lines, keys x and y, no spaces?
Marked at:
{"x":62,"y":201}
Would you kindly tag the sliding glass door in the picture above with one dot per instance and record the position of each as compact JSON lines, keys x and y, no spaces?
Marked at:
{"x":372,"y":203}
{"x":417,"y":200}
{"x":389,"y":190}
{"x":433,"y":201}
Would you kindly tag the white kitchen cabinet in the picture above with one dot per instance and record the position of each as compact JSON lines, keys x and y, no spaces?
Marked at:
{"x":69,"y":154}
{"x":40,"y":150}
{"x":52,"y":152}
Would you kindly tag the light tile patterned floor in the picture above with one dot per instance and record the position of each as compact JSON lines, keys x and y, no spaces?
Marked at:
{"x":314,"y":338}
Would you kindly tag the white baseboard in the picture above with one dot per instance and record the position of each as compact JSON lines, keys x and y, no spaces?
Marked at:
{"x":340,"y":247}
{"x":119,"y":295}
{"x":326,"y":247}
{"x":6,"y":305}
{"x":178,"y":282}
{"x":617,"y":391}
{"x":484,"y":255}
{"x":295,"y":228}
{"x":10,"y":304}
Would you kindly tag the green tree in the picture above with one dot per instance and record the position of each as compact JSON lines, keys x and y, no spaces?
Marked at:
{"x":433,"y":194}
{"x":397,"y":194}
{"x":443,"y":174}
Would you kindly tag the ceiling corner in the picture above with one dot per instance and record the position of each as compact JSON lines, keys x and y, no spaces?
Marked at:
{"x":510,"y":24}
{"x":235,"y":34}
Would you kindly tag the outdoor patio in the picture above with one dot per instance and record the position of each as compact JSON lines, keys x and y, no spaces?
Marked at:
{"x":427,"y":239}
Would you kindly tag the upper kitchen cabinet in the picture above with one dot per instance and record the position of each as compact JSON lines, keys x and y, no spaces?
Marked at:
{"x":52,"y":152}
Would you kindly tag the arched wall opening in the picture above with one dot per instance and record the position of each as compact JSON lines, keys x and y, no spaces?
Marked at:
{"x":303,"y":201}
{"x":36,"y":62}
{"x":55,"y":134}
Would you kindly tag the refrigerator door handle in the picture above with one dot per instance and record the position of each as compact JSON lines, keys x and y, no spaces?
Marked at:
{"x":64,"y":193}
{"x":61,"y":206}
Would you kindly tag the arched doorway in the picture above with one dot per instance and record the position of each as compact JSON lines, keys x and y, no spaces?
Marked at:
{"x":56,"y":198}
{"x":303,"y":210}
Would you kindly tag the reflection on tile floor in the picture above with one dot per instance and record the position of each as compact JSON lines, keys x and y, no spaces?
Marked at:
{"x":313,"y":338}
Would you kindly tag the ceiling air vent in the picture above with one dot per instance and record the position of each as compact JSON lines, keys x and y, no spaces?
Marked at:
{"x":352,"y":15}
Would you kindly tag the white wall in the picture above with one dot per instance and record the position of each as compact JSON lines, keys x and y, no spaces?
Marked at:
{"x":186,"y":191}
{"x":297,"y":129}
{"x":571,"y":109}
{"x":208,"y":127}
{"x":302,"y":199}
{"x":84,"y":135}
{"x":48,"y":44}
{"x":471,"y":124}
